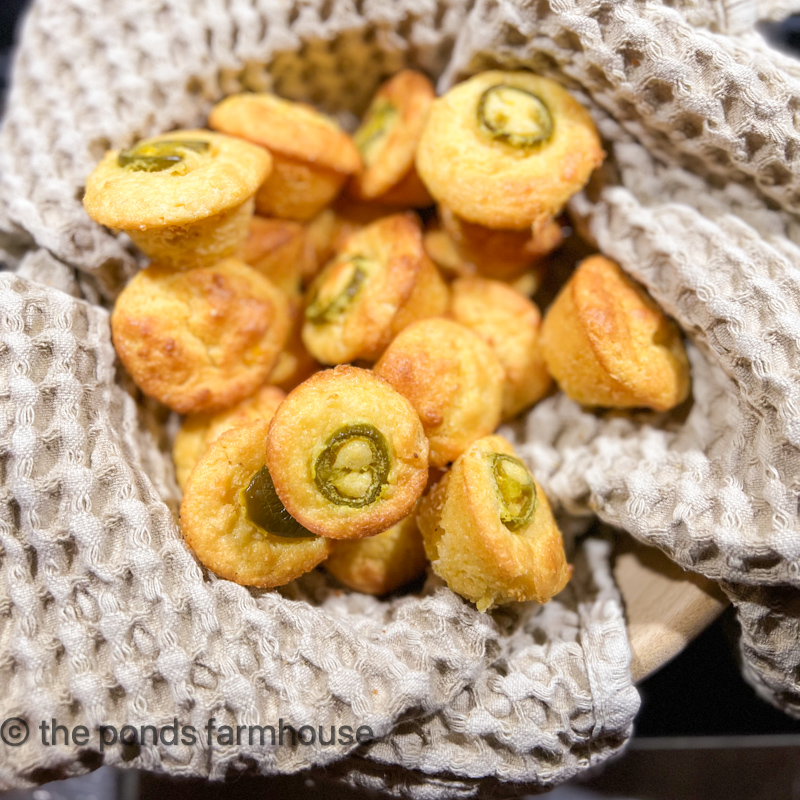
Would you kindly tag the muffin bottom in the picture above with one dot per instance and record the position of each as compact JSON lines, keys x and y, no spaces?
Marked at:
{"x":199,"y":244}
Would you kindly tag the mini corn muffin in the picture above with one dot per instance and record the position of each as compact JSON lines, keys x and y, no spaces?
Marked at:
{"x":347,"y":454}
{"x":608,"y":344}
{"x":185,"y":198}
{"x":387,"y":140}
{"x":442,"y":251}
{"x":489,"y":531}
{"x":200,"y":341}
{"x":233,"y":520}
{"x":452,"y":378}
{"x":509,"y":323}
{"x":380,"y":282}
{"x":274,"y":247}
{"x":328,"y":231}
{"x":320,"y":242}
{"x":198,"y":431}
{"x":313,"y":156}
{"x":382,"y":563}
{"x":501,"y":254}
{"x":295,"y":364}
{"x":507,"y":150}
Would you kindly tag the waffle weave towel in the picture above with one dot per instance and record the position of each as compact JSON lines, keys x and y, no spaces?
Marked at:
{"x":105,"y":617}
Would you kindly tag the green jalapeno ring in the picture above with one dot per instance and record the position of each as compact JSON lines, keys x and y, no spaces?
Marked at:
{"x":327,"y":474}
{"x":494,"y":119}
{"x":517,"y":499}
{"x":380,"y":119}
{"x":319,"y":313}
{"x":160,"y":155}
{"x":265,"y":509}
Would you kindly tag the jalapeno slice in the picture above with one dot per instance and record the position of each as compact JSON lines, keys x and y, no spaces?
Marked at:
{"x":516,"y":491}
{"x":160,"y":155}
{"x":353,"y":468}
{"x":381,"y":118}
{"x":514,"y":116}
{"x":337,"y":291}
{"x":264,"y":508}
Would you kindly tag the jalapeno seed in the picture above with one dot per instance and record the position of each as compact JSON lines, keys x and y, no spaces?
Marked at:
{"x":514,"y":116}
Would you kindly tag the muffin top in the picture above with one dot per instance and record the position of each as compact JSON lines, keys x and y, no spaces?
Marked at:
{"x":507,"y":149}
{"x":200,"y":341}
{"x":629,"y":334}
{"x":387,"y":138}
{"x":452,"y":378}
{"x":174,"y":179}
{"x":294,"y":130}
{"x":262,"y":549}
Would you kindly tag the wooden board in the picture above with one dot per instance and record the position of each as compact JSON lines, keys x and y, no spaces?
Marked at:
{"x":666,"y":607}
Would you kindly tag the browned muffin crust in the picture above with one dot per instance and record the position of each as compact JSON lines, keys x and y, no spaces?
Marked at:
{"x":216,"y":525}
{"x":384,"y":280}
{"x":198,"y":431}
{"x":313,"y":156}
{"x":347,"y":454}
{"x":382,"y":563}
{"x":452,"y":378}
{"x":387,"y":140}
{"x":509,"y":323}
{"x":608,"y":344}
{"x":275,"y":248}
{"x":501,"y":254}
{"x":200,"y":341}
{"x":479,"y":555}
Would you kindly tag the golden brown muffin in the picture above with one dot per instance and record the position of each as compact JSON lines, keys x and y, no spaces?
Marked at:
{"x":312,"y":155}
{"x":387,"y":140}
{"x":442,"y":251}
{"x":347,"y":453}
{"x":200,"y":341}
{"x":295,"y":364}
{"x":501,"y":254}
{"x":275,"y":248}
{"x":489,"y":531}
{"x":233,"y":520}
{"x":507,"y":149}
{"x":320,"y":245}
{"x":328,"y":231}
{"x":608,"y":344}
{"x":185,"y":198}
{"x":198,"y":431}
{"x":509,"y":323}
{"x":452,"y":378}
{"x":382,"y":563}
{"x":380,"y":282}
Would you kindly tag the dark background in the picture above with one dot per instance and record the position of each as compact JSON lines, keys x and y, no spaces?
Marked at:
{"x":701,"y":731}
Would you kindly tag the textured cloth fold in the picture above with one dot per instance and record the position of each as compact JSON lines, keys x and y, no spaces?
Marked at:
{"x":106,"y":618}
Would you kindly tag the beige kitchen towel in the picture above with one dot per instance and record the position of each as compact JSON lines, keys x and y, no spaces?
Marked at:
{"x":107,"y":619}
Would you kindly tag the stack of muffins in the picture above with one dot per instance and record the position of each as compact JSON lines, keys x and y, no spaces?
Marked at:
{"x":383,"y":281}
